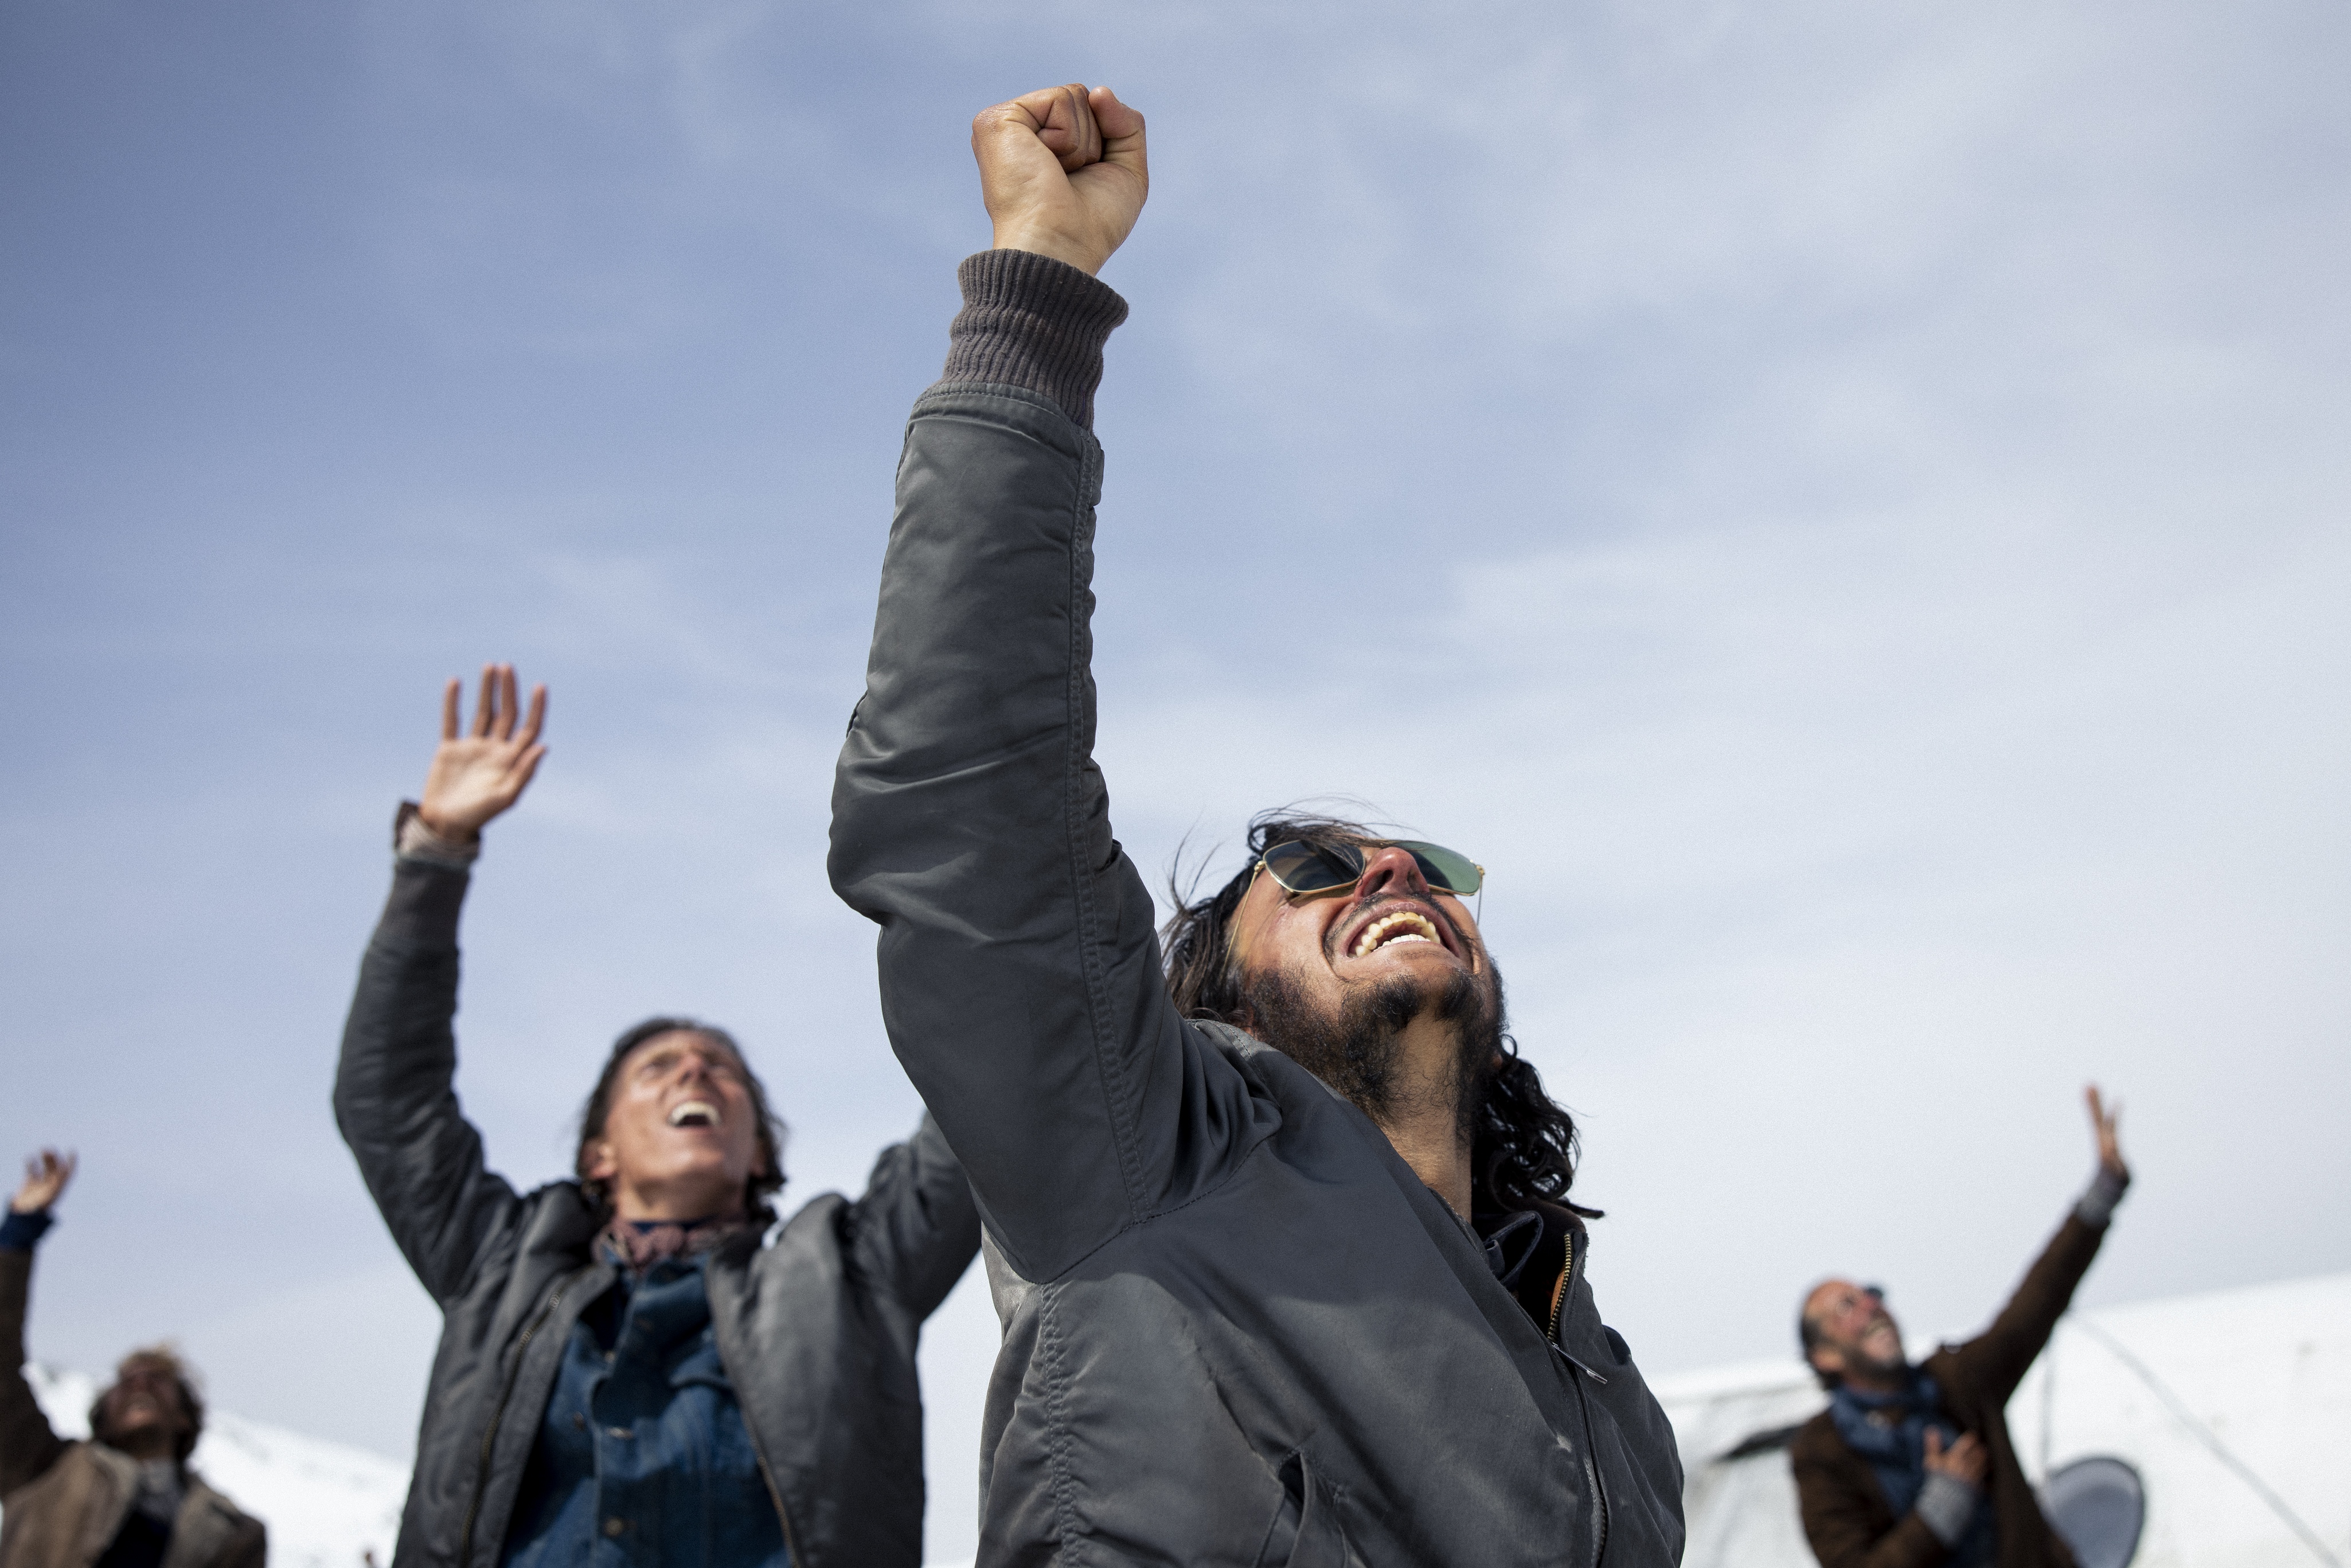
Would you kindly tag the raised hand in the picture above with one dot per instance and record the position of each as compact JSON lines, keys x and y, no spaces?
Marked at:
{"x":45,"y":1176}
{"x":476,"y":775}
{"x":1965,"y":1461}
{"x":1062,"y":173}
{"x":2102,"y":1120}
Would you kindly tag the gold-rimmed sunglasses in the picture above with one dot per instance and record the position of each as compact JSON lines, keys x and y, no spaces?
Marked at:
{"x":1301,"y":867}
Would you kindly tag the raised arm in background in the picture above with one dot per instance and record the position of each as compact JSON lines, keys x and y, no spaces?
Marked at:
{"x":396,"y":1100}
{"x":2000,"y":1355}
{"x":28,"y":1444}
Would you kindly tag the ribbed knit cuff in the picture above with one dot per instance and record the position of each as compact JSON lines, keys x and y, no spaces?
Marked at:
{"x":412,"y":840}
{"x":1946,"y":1505}
{"x":1031,"y":321}
{"x":18,"y":1232}
{"x":2097,"y":1205}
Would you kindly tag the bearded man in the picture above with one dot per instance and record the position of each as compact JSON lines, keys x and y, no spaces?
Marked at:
{"x":126,"y":1499}
{"x":1279,"y":1234}
{"x":628,"y":1375}
{"x":1912,"y":1467}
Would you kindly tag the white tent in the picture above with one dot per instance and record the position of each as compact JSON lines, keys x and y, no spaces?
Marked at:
{"x":2234,"y":1407}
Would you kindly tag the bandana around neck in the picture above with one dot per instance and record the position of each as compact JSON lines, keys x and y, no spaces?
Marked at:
{"x":638,"y":1244}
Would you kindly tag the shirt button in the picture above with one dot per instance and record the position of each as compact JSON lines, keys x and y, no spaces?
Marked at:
{"x":616,"y":1527}
{"x":578,"y":1422}
{"x":618,"y":1432}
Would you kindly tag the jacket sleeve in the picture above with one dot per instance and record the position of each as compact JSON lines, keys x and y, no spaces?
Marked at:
{"x":1843,"y":1524}
{"x":917,"y":1224}
{"x":1996,"y":1360}
{"x":395,"y":1096}
{"x":28,"y":1444}
{"x":1019,"y":970}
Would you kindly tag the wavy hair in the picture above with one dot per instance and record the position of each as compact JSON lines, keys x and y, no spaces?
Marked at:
{"x":1523,"y":1144}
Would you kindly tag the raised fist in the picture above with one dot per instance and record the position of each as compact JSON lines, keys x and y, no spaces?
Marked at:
{"x":1062,"y":173}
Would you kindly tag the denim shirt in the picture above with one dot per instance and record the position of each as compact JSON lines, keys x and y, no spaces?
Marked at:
{"x":643,"y":1459}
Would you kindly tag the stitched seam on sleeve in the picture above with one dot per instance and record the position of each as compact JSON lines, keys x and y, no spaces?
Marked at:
{"x":1057,"y":1425}
{"x":1107,"y":1061}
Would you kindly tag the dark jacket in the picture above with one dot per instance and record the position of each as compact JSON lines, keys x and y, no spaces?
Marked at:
{"x":1847,"y":1516}
{"x":1239,"y":1329}
{"x":65,"y":1503}
{"x":817,"y":1330}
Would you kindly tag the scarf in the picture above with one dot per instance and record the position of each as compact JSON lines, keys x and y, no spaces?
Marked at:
{"x":637,"y":1245}
{"x":1889,"y":1430}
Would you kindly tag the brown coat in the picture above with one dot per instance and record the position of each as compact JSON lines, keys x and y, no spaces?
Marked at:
{"x":1847,"y":1516}
{"x":65,"y":1502}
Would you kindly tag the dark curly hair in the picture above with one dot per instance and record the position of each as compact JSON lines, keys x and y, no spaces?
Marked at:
{"x":761,"y":1186}
{"x":1523,"y":1144}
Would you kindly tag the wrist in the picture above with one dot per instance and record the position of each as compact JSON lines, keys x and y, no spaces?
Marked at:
{"x":23,"y":1228}
{"x":1946,"y":1505}
{"x":414,"y":838}
{"x":1041,"y":241}
{"x":455,"y":834}
{"x":2096,"y":1204}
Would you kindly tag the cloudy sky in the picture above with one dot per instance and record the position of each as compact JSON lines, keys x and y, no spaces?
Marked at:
{"x":1841,"y":507}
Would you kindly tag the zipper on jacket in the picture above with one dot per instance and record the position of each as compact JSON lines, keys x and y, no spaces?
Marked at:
{"x":751,"y":1430}
{"x":497,"y":1415}
{"x":792,"y":1547}
{"x":1591,"y":1457}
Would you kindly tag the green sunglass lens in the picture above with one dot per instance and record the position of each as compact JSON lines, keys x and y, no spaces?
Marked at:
{"x":1302,"y":868}
{"x":1448,"y":870}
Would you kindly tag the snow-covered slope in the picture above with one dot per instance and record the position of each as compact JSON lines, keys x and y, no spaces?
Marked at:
{"x":2232,"y":1407}
{"x":327,"y":1505}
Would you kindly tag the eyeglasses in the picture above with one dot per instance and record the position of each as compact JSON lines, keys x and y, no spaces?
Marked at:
{"x":1863,"y":1302}
{"x":1301,"y":867}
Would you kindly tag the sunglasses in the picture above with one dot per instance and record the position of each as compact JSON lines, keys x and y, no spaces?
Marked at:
{"x":1301,"y":867}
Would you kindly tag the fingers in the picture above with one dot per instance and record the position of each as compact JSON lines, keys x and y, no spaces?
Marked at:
{"x":537,"y":719}
{"x":485,"y":705}
{"x":525,"y":770}
{"x":1933,"y":1445}
{"x":504,"y":729}
{"x":452,"y":698}
{"x":1122,"y":133}
{"x":1064,"y":117}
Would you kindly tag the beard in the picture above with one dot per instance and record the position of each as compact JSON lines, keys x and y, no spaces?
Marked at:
{"x":1357,"y":1046}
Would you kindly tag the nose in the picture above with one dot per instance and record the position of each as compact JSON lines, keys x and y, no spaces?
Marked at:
{"x":1390,"y":873}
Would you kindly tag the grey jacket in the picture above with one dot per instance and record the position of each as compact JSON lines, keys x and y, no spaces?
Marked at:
{"x":817,"y":1330}
{"x":1239,"y":1329}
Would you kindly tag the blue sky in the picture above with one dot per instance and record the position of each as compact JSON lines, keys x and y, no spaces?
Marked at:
{"x":1839,"y":506}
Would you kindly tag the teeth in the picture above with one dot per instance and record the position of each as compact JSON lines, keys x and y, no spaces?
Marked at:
{"x":685,"y":1109}
{"x":1404,"y":926}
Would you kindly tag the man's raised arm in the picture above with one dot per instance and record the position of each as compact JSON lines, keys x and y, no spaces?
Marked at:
{"x":1019,"y":970}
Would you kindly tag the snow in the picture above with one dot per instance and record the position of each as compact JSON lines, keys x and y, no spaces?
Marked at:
{"x":328,"y":1505}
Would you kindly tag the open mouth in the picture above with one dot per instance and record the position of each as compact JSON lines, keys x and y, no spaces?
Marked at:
{"x":694,"y":1113}
{"x":1394,"y":927}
